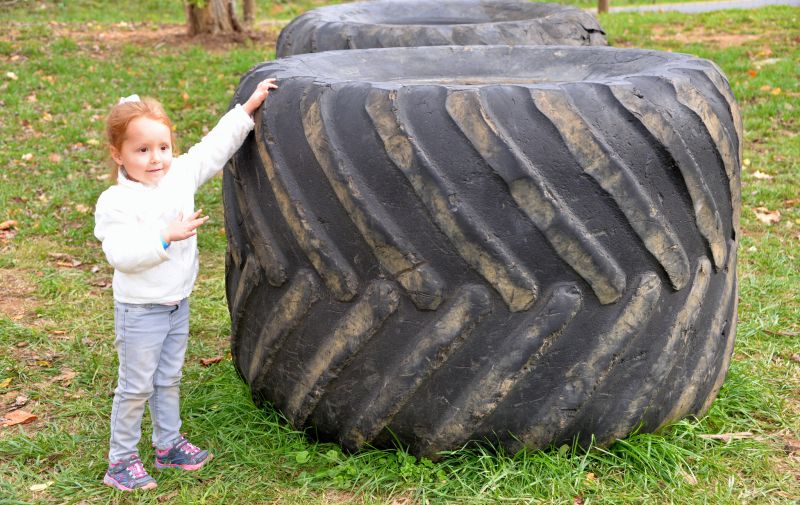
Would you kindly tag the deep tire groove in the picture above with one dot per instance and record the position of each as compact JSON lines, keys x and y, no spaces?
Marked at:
{"x":537,"y":199}
{"x":612,"y":174}
{"x":261,"y":239}
{"x":655,"y":121}
{"x":436,"y":341}
{"x":675,"y":341}
{"x":726,"y":151}
{"x":348,"y":335}
{"x":560,"y":406}
{"x":514,"y":358}
{"x":393,"y":250}
{"x":701,"y":368}
{"x":290,"y":309}
{"x":469,"y":234}
{"x":320,"y":249}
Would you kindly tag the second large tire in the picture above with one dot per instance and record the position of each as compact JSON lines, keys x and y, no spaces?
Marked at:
{"x":414,"y":23}
{"x":443,"y":244}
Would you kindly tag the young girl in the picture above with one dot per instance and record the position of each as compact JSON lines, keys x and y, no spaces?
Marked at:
{"x":147,"y":224}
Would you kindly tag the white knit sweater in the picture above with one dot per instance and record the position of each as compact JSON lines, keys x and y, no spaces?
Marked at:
{"x":129,"y":217}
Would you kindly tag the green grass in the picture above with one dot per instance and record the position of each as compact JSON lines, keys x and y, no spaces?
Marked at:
{"x":68,"y":323}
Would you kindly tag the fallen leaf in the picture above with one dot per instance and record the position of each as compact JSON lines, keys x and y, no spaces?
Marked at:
{"x":210,"y":361}
{"x":20,"y":345}
{"x":752,"y":73}
{"x":7,"y":225}
{"x":47,"y":117}
{"x":93,"y":142}
{"x":761,"y":175}
{"x":795,"y":357}
{"x":727,"y":437}
{"x":32,"y":98}
{"x":41,"y":487}
{"x":746,"y":162}
{"x":5,"y":382}
{"x":65,"y":377}
{"x":69,"y":264}
{"x":27,"y":157}
{"x":765,"y":87}
{"x":82,"y":208}
{"x":54,"y":157}
{"x":767,"y":216}
{"x":776,"y":91}
{"x":17,"y":417}
{"x":19,"y":402}
{"x":12,"y":76}
{"x":42,"y":363}
{"x":792,"y":446}
{"x":591,"y":477}
{"x":578,"y":500}
{"x":65,"y":260}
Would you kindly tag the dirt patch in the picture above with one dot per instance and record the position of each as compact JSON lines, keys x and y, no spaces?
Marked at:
{"x":17,"y":301}
{"x":704,"y":35}
{"x":158,"y":36}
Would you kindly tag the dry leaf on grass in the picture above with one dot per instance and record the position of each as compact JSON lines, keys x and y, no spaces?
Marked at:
{"x":19,"y":402}
{"x":17,"y":417}
{"x":795,"y":357}
{"x":792,"y":446}
{"x":5,"y":382}
{"x":7,"y":225}
{"x":761,"y":175}
{"x":210,"y":361}
{"x":65,"y":260}
{"x":727,"y":437}
{"x":767,"y":216}
{"x":65,"y":377}
{"x":41,"y":487}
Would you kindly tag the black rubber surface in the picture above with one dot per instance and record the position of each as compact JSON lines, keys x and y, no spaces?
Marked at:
{"x":414,"y":23}
{"x":520,"y":244}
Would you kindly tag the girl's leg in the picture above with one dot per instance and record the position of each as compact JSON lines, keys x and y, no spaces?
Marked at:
{"x":140,"y":333}
{"x":164,"y":404}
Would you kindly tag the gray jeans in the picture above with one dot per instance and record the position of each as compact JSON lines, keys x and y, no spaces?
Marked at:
{"x":151,"y":343}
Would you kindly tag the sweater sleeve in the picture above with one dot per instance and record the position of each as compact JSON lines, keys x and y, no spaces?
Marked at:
{"x":209,"y":156}
{"x":128,"y":246}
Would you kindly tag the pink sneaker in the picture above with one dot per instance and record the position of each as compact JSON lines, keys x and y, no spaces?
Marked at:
{"x":183,"y":455}
{"x":129,"y":475}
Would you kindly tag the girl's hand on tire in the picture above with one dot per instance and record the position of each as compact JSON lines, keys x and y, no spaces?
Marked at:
{"x":259,"y":95}
{"x":181,"y":229}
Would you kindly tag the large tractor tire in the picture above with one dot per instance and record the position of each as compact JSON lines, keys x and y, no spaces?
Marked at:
{"x":414,"y":23}
{"x":520,"y":244}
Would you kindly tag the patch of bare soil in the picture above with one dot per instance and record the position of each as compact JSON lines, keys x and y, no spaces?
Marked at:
{"x":16,"y":296}
{"x":154,"y":35}
{"x":704,"y":35}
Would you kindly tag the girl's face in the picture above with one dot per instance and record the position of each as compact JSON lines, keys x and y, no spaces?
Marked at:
{"x":146,"y":152}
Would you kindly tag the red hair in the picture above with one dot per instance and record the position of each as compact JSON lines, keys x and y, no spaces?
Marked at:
{"x":121,"y":116}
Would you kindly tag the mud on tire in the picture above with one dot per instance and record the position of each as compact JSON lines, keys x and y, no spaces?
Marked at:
{"x":413,"y":23}
{"x":519,"y":244}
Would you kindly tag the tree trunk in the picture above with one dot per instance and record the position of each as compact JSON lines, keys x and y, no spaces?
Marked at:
{"x":249,"y":9}
{"x":602,"y":6}
{"x":215,"y":16}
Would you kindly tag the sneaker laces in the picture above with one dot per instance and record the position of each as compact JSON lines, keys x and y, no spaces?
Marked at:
{"x":187,"y":447}
{"x":136,"y":469}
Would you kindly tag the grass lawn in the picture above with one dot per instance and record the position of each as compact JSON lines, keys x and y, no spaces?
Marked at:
{"x":64,"y":64}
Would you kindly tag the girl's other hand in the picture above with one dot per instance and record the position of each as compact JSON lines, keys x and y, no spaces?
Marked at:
{"x":259,"y":95}
{"x":181,"y":229}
